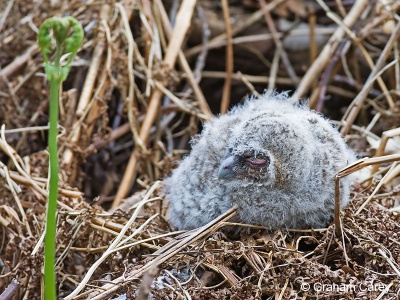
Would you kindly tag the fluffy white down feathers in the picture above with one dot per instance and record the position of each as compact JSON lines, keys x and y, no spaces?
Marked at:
{"x":276,"y":161}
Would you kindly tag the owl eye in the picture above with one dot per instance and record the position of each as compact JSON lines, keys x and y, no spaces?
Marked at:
{"x":256,"y":162}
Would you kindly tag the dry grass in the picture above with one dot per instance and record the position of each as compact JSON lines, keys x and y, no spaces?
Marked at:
{"x":138,"y":91}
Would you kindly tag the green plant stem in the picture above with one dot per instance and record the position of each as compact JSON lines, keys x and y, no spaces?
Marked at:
{"x":50,"y":237}
{"x":57,"y":59}
{"x":56,"y":74}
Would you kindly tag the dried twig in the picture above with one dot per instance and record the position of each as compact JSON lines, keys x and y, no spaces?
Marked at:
{"x":18,"y":62}
{"x":220,"y":40}
{"x":87,"y":91}
{"x":358,"y":165}
{"x":145,"y":286}
{"x":185,"y":65}
{"x":11,"y":290}
{"x":356,"y":105}
{"x":166,"y":253}
{"x":115,"y":244}
{"x":182,"y":24}
{"x":226,"y":93}
{"x":278,"y":43}
{"x":327,"y":52}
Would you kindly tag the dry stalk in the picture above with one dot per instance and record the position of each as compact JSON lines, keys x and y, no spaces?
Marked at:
{"x":184,"y":64}
{"x":355,"y":107}
{"x":115,"y":244}
{"x":249,"y":78}
{"x":226,"y":92}
{"x":183,"y":20}
{"x":315,"y":70}
{"x":357,"y":42}
{"x":358,"y":165}
{"x":220,"y":40}
{"x":274,"y":69}
{"x":167,"y":252}
{"x":19,"y":61}
{"x":386,"y":135}
{"x":181,"y":104}
{"x":145,"y":286}
{"x":11,"y":290}
{"x":11,"y":186}
{"x":278,"y":43}
{"x":18,"y":162}
{"x":132,"y":107}
{"x":87,"y":91}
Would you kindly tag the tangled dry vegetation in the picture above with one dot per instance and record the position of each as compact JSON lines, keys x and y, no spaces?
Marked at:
{"x":147,"y":74}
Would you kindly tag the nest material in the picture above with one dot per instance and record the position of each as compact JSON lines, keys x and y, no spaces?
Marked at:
{"x":137,"y":93}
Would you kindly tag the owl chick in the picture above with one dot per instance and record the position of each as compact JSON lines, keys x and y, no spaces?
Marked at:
{"x":274,"y":159}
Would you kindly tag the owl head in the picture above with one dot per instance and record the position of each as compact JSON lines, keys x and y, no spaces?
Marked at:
{"x":247,"y":164}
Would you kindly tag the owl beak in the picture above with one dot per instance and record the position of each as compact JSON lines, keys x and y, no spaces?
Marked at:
{"x":226,"y":169}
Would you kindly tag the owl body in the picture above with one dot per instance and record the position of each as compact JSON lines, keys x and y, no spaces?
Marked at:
{"x":275,"y":160}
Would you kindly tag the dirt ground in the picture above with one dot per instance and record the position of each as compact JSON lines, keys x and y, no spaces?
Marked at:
{"x":148,"y":74}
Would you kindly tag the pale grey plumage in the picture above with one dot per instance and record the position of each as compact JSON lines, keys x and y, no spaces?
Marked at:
{"x":276,"y":161}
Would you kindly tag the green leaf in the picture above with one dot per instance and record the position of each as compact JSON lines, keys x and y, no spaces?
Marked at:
{"x":75,"y":40}
{"x":64,"y":72}
{"x":64,"y":42}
